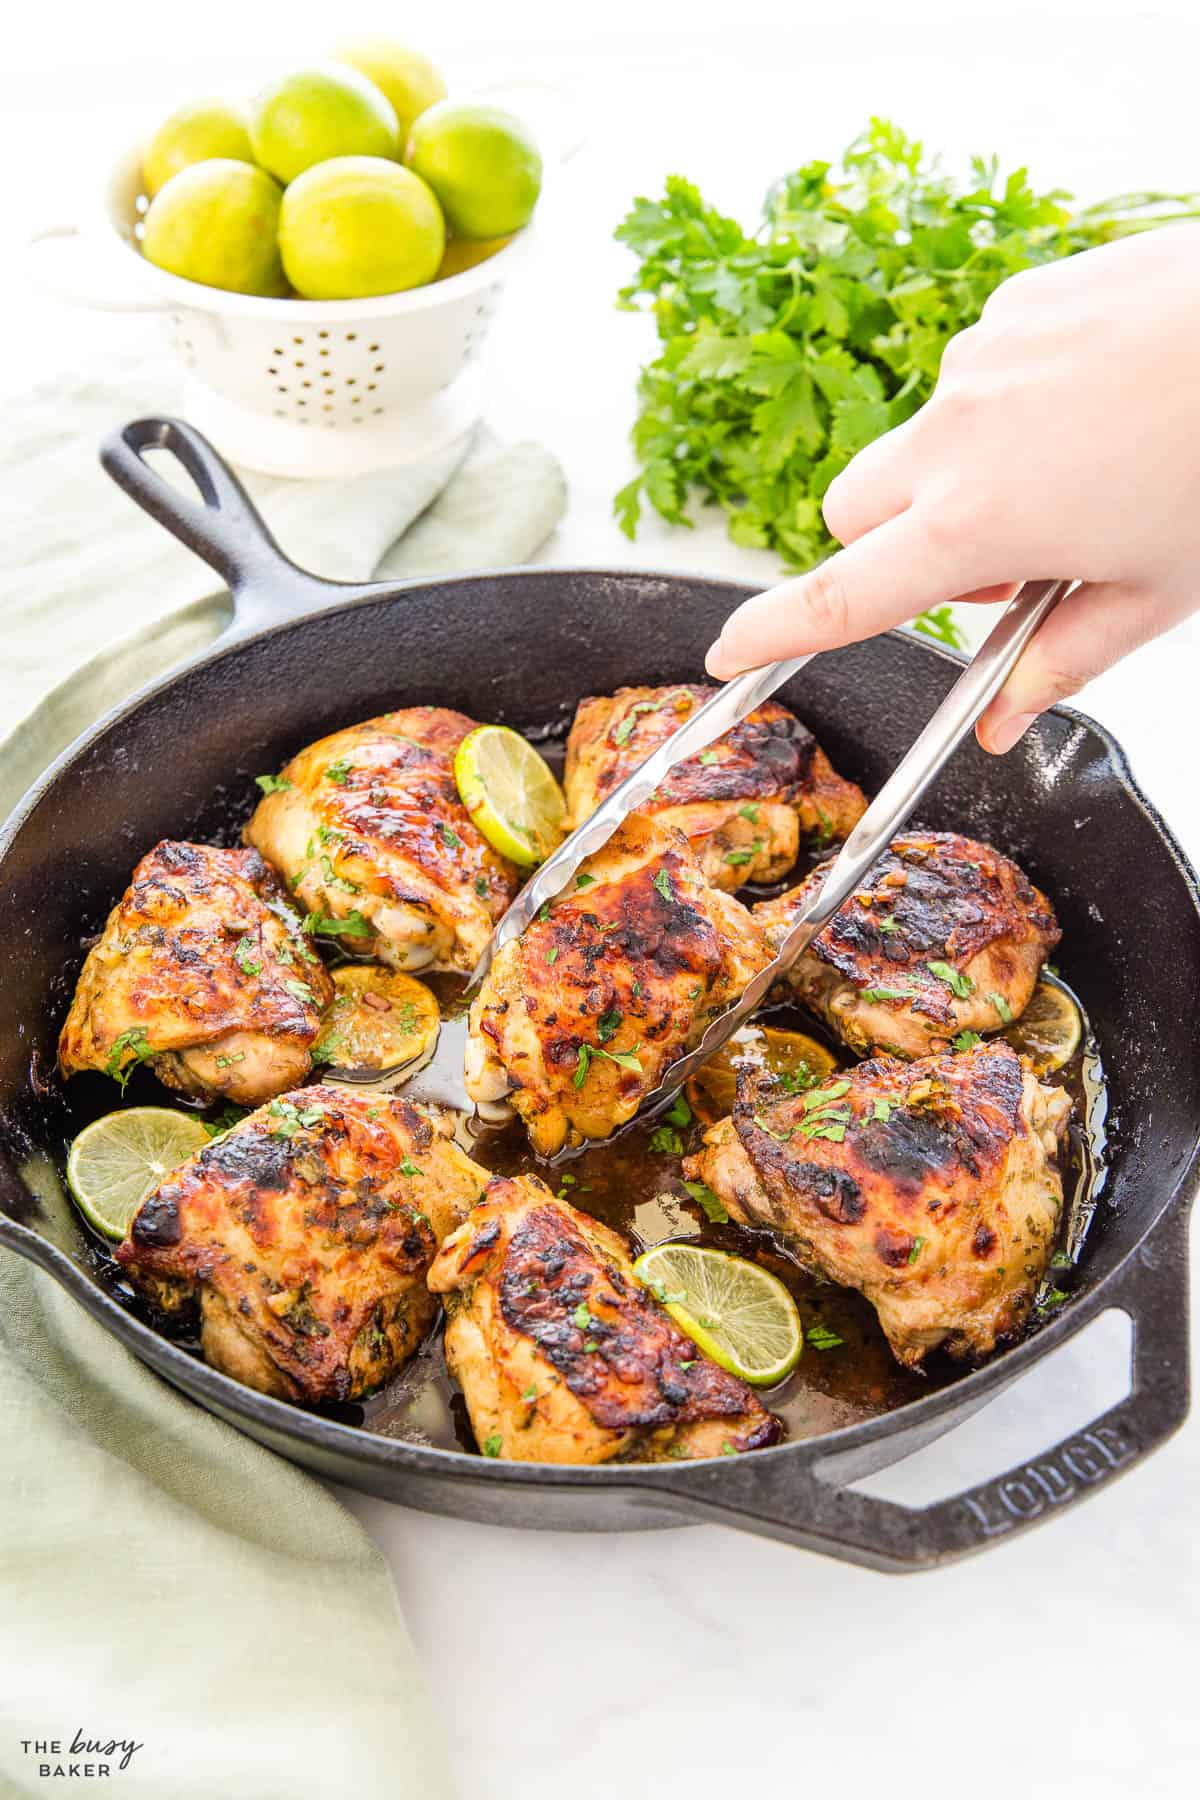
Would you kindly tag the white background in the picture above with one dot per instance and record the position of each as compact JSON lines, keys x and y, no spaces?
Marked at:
{"x":685,"y":1661}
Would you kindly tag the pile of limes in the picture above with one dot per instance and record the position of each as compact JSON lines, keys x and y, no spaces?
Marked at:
{"x":343,"y":179}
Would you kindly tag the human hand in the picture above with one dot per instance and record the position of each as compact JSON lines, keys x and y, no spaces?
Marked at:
{"x":1062,"y":439}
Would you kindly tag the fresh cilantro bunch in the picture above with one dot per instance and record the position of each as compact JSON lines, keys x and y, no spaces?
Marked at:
{"x":784,"y":352}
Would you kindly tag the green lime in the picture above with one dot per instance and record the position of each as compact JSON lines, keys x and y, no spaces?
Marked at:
{"x":465,"y":253}
{"x":482,"y":164}
{"x":195,"y":133}
{"x":317,"y":113}
{"x":408,"y":79}
{"x":741,"y":1315}
{"x":117,"y":1160}
{"x":510,"y":793}
{"x":359,"y":225}
{"x":713,"y":1088}
{"x":378,"y":1019}
{"x":1049,"y":1030}
{"x":217,"y":223}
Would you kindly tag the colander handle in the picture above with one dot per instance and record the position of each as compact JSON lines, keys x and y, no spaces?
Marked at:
{"x":224,"y":527}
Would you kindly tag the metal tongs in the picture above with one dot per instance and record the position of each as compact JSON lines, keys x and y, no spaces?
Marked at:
{"x":441,"y":1080}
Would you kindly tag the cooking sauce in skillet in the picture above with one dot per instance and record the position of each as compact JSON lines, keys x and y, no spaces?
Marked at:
{"x":640,"y":1193}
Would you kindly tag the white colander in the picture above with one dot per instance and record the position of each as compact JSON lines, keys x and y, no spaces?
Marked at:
{"x":297,"y":387}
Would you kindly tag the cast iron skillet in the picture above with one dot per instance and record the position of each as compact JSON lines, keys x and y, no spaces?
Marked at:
{"x":304,"y":656}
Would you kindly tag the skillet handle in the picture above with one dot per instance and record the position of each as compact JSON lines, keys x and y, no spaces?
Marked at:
{"x":226,"y":530}
{"x":805,"y":1504}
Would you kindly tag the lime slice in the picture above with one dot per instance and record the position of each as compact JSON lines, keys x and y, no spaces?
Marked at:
{"x":713,"y":1088}
{"x":117,"y":1160}
{"x":378,"y":1020}
{"x":1048,"y":1032}
{"x":511,"y":794}
{"x":741,"y":1315}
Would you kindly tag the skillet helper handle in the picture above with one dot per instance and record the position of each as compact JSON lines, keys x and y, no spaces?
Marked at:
{"x":224,"y":527}
{"x":809,"y":1506}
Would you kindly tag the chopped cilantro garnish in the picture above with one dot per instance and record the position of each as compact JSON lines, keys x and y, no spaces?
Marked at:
{"x":609,"y":1023}
{"x":323,"y":925}
{"x":821,"y":1338}
{"x":299,"y":990}
{"x":128,"y":1050}
{"x":959,"y":984}
{"x":493,"y":1445}
{"x":338,"y":772}
{"x":450,"y":838}
{"x":666,"y":1141}
{"x":708,"y":1203}
{"x":272,"y":784}
{"x":662,"y":882}
{"x":966,"y":1040}
{"x":244,"y":957}
{"x":585,"y":881}
{"x":1002,"y":1007}
{"x":679,"y":1112}
{"x":918,"y":1244}
{"x":748,"y":812}
{"x":582,"y":1316}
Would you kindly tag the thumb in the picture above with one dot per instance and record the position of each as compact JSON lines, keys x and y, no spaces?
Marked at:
{"x":1093,"y":628}
{"x":880,"y":580}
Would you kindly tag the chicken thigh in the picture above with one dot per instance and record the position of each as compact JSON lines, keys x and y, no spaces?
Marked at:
{"x":562,"y":1354}
{"x":945,"y":935}
{"x":932,"y":1187}
{"x":201,"y":970}
{"x":368,"y":827}
{"x":744,"y":804}
{"x":308,"y":1230}
{"x":577,"y":1019}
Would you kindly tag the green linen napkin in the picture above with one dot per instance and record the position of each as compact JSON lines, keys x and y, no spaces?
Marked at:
{"x":163,"y":1579}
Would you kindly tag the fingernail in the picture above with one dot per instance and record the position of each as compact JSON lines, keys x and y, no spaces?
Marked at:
{"x":717,"y":662}
{"x":1005,"y":733}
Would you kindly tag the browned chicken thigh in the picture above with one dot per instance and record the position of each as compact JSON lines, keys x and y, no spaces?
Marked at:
{"x":563,"y":1356}
{"x":744,"y":804}
{"x":201,"y":970}
{"x":945,"y":935}
{"x":577,"y":1019}
{"x":308,"y":1230}
{"x":368,"y":827}
{"x":932,"y":1187}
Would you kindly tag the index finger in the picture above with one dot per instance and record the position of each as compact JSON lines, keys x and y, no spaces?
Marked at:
{"x":900,"y":568}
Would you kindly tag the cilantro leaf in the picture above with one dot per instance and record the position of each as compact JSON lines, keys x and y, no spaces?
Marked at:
{"x":785,"y":348}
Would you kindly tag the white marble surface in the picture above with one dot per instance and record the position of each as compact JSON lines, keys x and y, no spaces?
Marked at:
{"x":1064,"y":1662}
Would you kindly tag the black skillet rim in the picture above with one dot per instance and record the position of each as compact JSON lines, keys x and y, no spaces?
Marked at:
{"x":353,"y":1443}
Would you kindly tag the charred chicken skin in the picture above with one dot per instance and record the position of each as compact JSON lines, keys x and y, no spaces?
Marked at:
{"x":932,"y":1187}
{"x":577,"y":1019}
{"x":368,"y":827}
{"x":744,"y":804}
{"x":563,"y":1356}
{"x":307,"y":1231}
{"x":945,"y":935}
{"x":203,"y":971}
